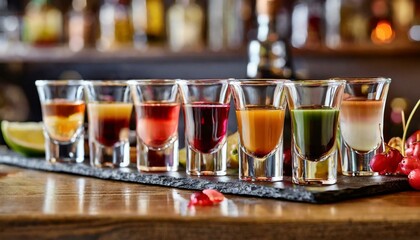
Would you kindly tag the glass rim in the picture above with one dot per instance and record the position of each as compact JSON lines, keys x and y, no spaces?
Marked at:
{"x":312,"y":83}
{"x":106,"y":82}
{"x":364,"y":80}
{"x":266,"y":81}
{"x":152,"y":81}
{"x":203,"y":81}
{"x":69,"y":82}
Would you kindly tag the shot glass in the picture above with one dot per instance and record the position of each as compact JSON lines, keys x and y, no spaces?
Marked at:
{"x":260,"y":111}
{"x":109,"y":112}
{"x":63,"y":111}
{"x":361,"y":123}
{"x":206,"y":105}
{"x":157,"y":107}
{"x":314,"y":110}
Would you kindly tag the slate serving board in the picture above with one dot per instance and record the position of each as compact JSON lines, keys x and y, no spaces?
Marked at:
{"x":346,"y":187}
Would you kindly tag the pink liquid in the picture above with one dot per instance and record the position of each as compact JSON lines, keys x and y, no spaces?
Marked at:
{"x":157,"y":123}
{"x":206,"y":125}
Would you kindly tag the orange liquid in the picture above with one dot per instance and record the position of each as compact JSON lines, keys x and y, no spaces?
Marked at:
{"x":260,"y":129}
{"x":63,"y":119}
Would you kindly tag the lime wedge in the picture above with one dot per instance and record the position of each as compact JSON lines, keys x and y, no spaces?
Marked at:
{"x":26,"y":138}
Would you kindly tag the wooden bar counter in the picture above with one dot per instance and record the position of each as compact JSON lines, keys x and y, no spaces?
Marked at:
{"x":43,"y":205}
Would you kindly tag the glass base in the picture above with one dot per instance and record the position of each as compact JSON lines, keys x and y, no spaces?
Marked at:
{"x":213,"y":164}
{"x":157,"y":160}
{"x":269,"y":169}
{"x":109,"y":157}
{"x":360,"y":173}
{"x":355,"y":163}
{"x":307,"y":172}
{"x":65,"y":152}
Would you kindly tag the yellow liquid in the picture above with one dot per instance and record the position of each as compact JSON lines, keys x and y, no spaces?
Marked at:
{"x":260,"y":129}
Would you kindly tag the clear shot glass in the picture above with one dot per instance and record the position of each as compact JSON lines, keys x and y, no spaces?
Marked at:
{"x":63,"y":111}
{"x":361,"y":123}
{"x":260,"y":112}
{"x":109,"y":112}
{"x":314,"y":111}
{"x":157,"y":106}
{"x":206,"y":105}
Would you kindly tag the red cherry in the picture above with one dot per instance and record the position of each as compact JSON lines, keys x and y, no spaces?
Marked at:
{"x":379,"y":163}
{"x":414,"y":150}
{"x":408,"y":164}
{"x":415,"y":137}
{"x":214,"y":195}
{"x":200,"y":199}
{"x":414,"y":179}
{"x":394,"y":158}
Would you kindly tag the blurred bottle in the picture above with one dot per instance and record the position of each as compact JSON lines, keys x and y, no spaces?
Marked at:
{"x":414,"y":31}
{"x":403,"y":12}
{"x":81,"y":32}
{"x":308,"y":24}
{"x":227,"y":23}
{"x":9,"y":27}
{"x":354,"y":22}
{"x":381,"y":27}
{"x":42,"y":23}
{"x":116,"y":28}
{"x":185,"y":20}
{"x":148,"y":22}
{"x":332,"y":23}
{"x":269,"y":54}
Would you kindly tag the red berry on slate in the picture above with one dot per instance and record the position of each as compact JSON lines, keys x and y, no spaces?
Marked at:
{"x":415,"y":137}
{"x":200,"y":199}
{"x":414,"y":179}
{"x":214,"y":195}
{"x":379,"y":163}
{"x":408,"y":164}
{"x":394,"y":158}
{"x":416,"y":149}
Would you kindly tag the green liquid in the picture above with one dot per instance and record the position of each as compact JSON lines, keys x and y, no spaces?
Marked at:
{"x":314,"y":130}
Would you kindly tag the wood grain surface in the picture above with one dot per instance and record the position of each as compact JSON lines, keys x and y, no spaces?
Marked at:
{"x":41,"y":205}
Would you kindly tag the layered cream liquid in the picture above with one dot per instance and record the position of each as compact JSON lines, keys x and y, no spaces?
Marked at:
{"x":361,"y":123}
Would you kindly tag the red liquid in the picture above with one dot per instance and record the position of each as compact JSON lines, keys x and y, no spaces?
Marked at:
{"x":206,"y":125}
{"x":109,"y":122}
{"x":157,"y":123}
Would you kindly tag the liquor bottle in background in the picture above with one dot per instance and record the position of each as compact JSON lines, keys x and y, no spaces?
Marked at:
{"x":269,"y":54}
{"x":354,"y":17}
{"x":116,"y":28}
{"x":81,"y":32}
{"x":403,"y":12}
{"x":381,"y":27}
{"x":148,"y":22}
{"x":9,"y":27}
{"x":185,"y":20}
{"x":42,"y":23}
{"x":227,"y":23}
{"x":307,"y":24}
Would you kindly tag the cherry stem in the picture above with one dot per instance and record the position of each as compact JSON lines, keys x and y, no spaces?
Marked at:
{"x":403,"y":120}
{"x":408,"y":124}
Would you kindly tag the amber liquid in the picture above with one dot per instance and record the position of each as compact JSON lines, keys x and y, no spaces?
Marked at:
{"x":63,"y":119}
{"x":260,"y":129}
{"x":109,"y":122}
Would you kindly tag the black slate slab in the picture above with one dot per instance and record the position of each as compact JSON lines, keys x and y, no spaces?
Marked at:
{"x":346,"y":187}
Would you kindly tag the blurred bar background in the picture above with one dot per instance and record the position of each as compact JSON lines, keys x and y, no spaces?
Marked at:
{"x":124,"y":39}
